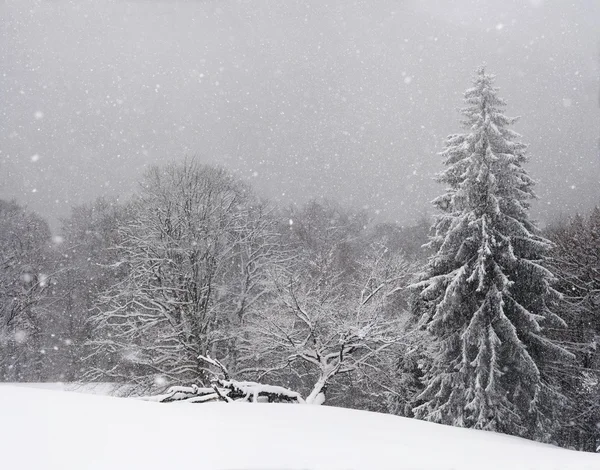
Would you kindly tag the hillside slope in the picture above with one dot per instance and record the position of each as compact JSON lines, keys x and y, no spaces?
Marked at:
{"x":52,"y":430}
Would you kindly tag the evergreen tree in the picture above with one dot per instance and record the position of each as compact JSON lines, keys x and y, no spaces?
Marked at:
{"x":485,"y":296}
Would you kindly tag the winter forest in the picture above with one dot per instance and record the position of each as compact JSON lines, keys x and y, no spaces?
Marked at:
{"x":488,"y":323}
{"x":200,"y":286}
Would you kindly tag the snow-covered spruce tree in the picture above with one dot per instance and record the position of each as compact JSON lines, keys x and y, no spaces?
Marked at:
{"x":485,"y":295}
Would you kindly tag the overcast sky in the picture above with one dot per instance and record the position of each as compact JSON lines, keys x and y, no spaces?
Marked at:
{"x":345,"y":99}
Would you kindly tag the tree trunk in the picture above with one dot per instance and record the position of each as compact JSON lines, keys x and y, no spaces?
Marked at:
{"x":317,"y":395}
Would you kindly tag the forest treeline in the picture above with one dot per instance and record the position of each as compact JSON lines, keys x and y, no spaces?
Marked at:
{"x":195,"y":263}
{"x":133,"y":292}
{"x":482,"y":321}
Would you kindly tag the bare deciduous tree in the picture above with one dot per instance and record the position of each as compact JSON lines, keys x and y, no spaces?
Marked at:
{"x":24,"y":242}
{"x":88,"y":265}
{"x":322,"y":323}
{"x":194,"y":254}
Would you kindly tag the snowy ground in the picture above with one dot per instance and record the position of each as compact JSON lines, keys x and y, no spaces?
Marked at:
{"x":52,"y":430}
{"x":95,"y":388}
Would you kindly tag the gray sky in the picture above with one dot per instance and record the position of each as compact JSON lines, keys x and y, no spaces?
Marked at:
{"x":345,"y":99}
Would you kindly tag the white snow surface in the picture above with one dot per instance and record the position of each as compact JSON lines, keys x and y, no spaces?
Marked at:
{"x":94,"y":388}
{"x":52,"y":430}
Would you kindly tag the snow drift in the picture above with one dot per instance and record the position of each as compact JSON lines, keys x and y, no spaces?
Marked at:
{"x":51,"y":430}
